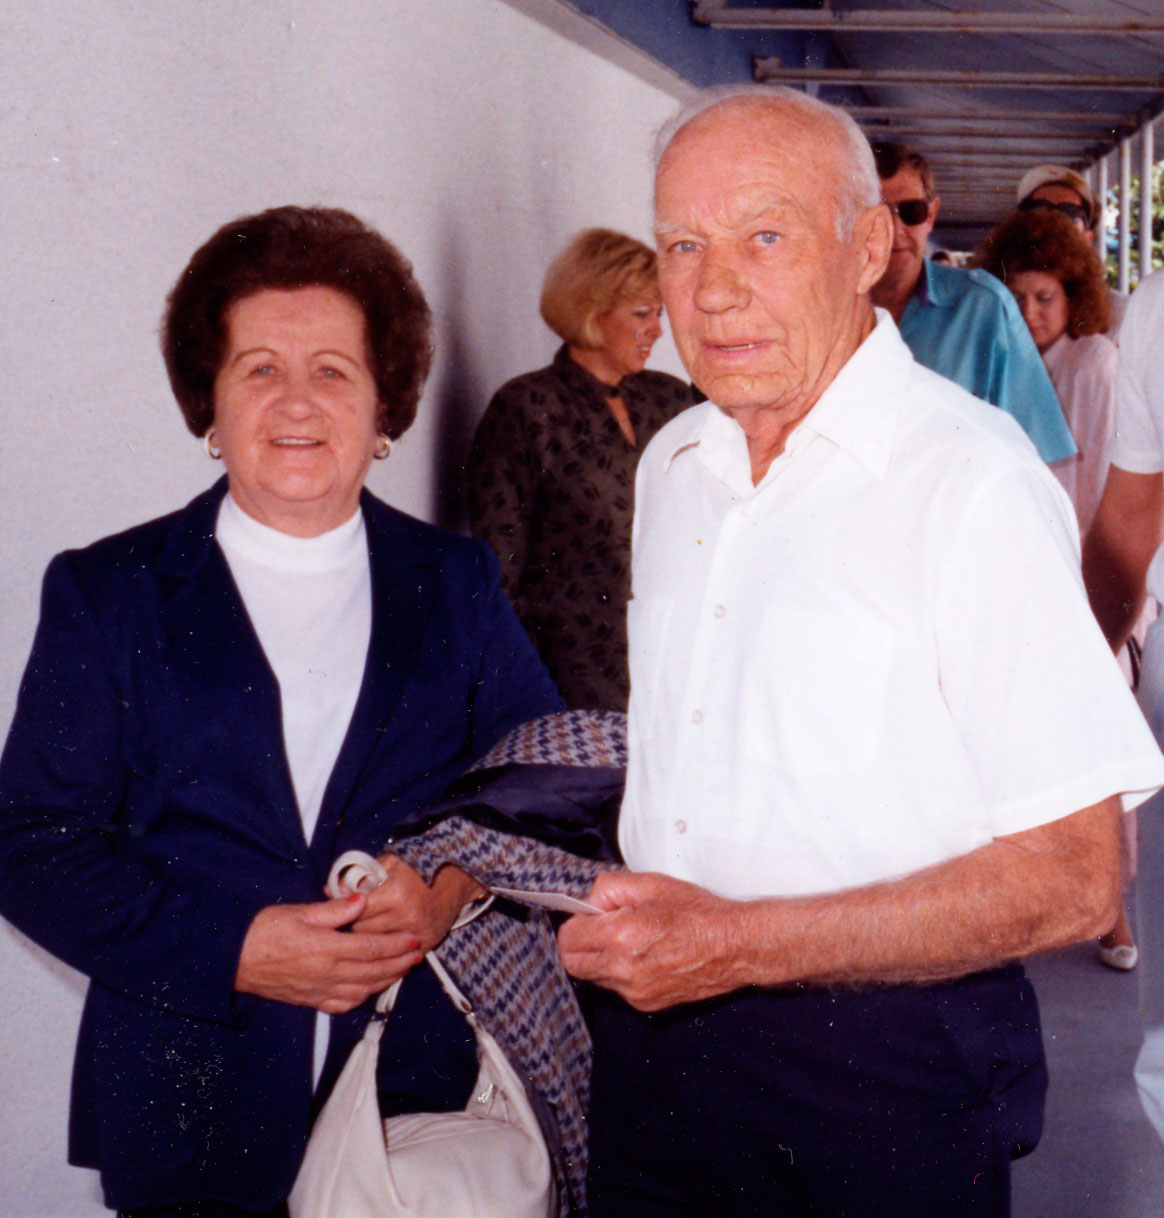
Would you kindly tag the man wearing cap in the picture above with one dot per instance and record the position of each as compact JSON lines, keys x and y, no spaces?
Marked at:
{"x":1057,"y":188}
{"x":1060,"y":189}
{"x":961,"y":323}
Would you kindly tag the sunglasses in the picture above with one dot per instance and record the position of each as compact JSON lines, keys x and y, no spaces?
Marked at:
{"x":912,"y":211}
{"x":1072,"y":211}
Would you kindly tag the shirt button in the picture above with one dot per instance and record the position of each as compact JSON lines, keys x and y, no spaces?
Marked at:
{"x":680,"y":826}
{"x":718,"y":611}
{"x":697,"y":716}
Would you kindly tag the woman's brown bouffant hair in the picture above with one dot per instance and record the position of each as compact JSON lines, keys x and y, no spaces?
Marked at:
{"x":297,"y":247}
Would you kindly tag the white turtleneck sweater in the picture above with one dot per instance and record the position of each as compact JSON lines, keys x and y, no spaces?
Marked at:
{"x":310,"y":602}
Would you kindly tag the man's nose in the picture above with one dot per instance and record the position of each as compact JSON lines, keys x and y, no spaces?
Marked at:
{"x":720,"y":286}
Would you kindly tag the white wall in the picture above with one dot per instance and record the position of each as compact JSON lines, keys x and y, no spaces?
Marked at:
{"x":473,"y":135}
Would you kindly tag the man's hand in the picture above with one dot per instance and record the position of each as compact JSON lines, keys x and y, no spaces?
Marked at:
{"x":663,"y":941}
{"x":300,"y":954}
{"x":404,"y":903}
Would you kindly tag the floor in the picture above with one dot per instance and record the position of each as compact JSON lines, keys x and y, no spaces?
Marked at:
{"x":1099,"y":1157}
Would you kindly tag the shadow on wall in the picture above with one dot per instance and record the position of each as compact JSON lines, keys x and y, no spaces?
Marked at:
{"x":458,"y":389}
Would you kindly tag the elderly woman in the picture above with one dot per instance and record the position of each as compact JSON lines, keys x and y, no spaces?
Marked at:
{"x":221,"y":701}
{"x":551,"y":473}
{"x":1061,"y":288}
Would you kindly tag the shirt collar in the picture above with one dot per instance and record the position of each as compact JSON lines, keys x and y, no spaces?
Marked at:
{"x":932,"y":288}
{"x":856,"y":418}
{"x":1057,"y":350}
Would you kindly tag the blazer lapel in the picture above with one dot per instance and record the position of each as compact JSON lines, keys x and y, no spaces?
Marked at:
{"x":403,"y":591}
{"x":227,"y":686}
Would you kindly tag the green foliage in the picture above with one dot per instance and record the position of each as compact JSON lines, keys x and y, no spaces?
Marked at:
{"x":1113,"y":203}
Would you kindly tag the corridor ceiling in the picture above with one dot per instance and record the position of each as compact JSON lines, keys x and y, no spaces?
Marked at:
{"x":983,"y":90}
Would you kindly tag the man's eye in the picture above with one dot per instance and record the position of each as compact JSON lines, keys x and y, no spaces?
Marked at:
{"x":766,"y":237}
{"x":682,"y":247}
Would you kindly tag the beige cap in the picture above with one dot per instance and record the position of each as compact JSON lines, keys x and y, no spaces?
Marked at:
{"x":1056,"y":175}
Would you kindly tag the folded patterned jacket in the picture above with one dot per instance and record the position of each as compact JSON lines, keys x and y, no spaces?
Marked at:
{"x":536,"y":813}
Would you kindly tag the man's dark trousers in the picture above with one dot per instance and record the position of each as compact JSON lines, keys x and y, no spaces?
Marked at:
{"x":881,"y":1102}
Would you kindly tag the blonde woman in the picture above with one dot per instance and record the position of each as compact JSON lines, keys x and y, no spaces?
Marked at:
{"x":551,"y":473}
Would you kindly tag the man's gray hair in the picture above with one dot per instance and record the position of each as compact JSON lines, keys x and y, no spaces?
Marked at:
{"x":859,"y":187}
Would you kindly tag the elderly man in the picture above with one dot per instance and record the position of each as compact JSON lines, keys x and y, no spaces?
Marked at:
{"x":876,"y":737}
{"x":961,"y":323}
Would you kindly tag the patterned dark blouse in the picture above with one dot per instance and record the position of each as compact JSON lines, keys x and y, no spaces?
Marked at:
{"x":551,"y":488}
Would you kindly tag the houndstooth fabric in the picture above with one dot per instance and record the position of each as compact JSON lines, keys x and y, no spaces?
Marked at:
{"x":578,"y":737}
{"x":508,"y":965}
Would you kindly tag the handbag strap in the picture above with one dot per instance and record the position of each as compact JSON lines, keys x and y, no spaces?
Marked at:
{"x":354,"y":871}
{"x":387,"y":1000}
{"x":459,"y":1000}
{"x":357,"y":871}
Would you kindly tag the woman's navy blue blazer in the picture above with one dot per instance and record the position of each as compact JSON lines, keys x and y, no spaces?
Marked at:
{"x":147,"y":814}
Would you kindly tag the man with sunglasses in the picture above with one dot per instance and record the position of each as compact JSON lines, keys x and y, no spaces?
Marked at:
{"x":961,"y":323}
{"x":1057,"y":188}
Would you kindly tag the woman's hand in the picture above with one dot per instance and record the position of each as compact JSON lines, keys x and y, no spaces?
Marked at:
{"x":301,"y":954}
{"x":405,"y":904}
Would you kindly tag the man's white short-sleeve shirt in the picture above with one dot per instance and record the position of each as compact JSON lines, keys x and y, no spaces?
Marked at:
{"x":1138,"y":443}
{"x":879,"y":658}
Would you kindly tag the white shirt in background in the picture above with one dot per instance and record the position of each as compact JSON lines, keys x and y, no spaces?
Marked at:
{"x":1083,"y":371}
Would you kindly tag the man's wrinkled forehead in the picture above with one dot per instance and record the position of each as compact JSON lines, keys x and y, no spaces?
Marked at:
{"x":757,"y":154}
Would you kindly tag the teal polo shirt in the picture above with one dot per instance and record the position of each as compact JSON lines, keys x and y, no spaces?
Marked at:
{"x":966,"y":326}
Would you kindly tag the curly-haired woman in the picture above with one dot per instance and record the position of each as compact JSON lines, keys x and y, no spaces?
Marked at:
{"x":1059,"y":283}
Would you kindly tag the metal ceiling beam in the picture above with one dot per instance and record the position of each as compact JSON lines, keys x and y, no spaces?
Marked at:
{"x":973,"y":157}
{"x":1046,"y":135}
{"x":911,"y":21}
{"x":979,"y":161}
{"x":770,"y":68}
{"x":1098,"y":118}
{"x":984,"y":123}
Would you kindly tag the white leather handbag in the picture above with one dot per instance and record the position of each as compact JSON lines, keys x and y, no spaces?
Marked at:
{"x":487,"y":1161}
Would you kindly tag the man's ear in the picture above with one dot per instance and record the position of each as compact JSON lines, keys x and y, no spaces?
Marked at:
{"x":873,"y":239}
{"x":935,"y":204}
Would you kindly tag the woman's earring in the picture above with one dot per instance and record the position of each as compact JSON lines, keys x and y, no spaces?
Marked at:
{"x":383,"y":448}
{"x":215,"y":454}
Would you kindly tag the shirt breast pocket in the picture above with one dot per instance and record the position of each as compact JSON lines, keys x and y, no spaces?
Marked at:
{"x":813,"y":702}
